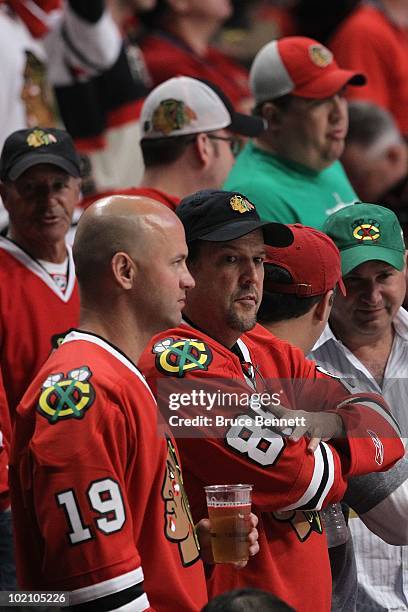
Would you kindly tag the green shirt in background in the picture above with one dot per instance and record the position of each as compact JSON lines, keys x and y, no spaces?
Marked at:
{"x":288,"y":192}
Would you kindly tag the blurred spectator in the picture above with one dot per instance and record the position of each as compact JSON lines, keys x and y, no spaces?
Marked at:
{"x":376,"y":160}
{"x":78,"y":49}
{"x":291,"y":171}
{"x":252,"y":25}
{"x":374,"y":39}
{"x":180,"y":45}
{"x":99,"y":91}
{"x":23,"y":97}
{"x":39,"y":301}
{"x":246,"y":600}
{"x":189,"y":136}
{"x":375,"y":157}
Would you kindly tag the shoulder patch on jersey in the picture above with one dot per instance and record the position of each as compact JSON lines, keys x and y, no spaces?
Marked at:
{"x":66,"y":396}
{"x":176,"y":357}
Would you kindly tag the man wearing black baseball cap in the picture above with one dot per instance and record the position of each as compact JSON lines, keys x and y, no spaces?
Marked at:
{"x":40,"y":184}
{"x":39,"y":174}
{"x":215,"y":349}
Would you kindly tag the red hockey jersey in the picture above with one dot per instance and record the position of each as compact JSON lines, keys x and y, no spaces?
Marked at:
{"x":98,"y":498}
{"x":290,"y":483}
{"x":32,"y":311}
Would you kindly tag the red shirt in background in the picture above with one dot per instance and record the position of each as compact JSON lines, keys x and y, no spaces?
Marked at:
{"x":369,"y":42}
{"x":167,"y":56}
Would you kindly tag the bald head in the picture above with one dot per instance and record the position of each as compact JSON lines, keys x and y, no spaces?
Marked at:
{"x":117,"y":224}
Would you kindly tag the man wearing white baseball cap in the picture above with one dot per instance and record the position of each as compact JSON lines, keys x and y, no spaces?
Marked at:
{"x":189,"y":137}
{"x":291,"y":171}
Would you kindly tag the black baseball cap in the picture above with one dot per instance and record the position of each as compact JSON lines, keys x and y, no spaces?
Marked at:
{"x":30,"y":147}
{"x":219,"y":216}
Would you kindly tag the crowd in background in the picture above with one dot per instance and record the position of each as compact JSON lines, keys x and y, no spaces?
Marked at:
{"x":88,"y":67}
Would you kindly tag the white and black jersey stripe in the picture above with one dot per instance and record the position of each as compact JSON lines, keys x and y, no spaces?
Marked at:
{"x":124,"y":593}
{"x":320,"y":483}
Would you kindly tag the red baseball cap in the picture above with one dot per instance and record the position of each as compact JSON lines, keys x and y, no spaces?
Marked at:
{"x":300,"y":66}
{"x":312,"y":260}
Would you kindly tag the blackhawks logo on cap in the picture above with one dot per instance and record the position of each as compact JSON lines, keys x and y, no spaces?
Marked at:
{"x":240,"y":204}
{"x":320,"y":56}
{"x":172,"y":115}
{"x":39,"y":138}
{"x":66,"y":397}
{"x":366,"y":230}
{"x":176,"y":357}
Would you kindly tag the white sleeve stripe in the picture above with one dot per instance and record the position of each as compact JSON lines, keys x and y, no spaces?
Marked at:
{"x":373,"y":405}
{"x":330,"y":477}
{"x":323,"y":477}
{"x":107,"y":587}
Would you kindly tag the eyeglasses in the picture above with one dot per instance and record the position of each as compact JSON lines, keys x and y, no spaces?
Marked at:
{"x":236,"y":144}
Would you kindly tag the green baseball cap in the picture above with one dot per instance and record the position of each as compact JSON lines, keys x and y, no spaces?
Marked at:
{"x":366,"y":232}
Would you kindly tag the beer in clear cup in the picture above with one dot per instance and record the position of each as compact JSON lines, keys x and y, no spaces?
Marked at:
{"x":229,"y":509}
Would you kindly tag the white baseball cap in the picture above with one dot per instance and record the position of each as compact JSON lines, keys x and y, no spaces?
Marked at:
{"x":183,"y":105}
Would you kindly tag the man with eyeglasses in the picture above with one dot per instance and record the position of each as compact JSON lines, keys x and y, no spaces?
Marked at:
{"x":292,"y":170}
{"x":190,"y":136}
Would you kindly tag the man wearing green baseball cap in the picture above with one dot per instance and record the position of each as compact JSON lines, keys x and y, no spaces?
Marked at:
{"x":366,"y":342}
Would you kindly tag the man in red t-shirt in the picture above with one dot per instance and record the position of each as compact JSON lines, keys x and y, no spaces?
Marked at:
{"x":374,"y":39}
{"x":180,"y":44}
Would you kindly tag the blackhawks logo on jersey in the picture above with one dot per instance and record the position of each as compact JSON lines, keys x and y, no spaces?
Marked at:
{"x":303,"y":522}
{"x":177,"y":357}
{"x":66,"y":397}
{"x":179,"y":526}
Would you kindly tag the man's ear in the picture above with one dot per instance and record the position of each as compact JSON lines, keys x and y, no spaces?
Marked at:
{"x":272,"y":114}
{"x":396,"y":154}
{"x":124,"y":270}
{"x":204,"y":149}
{"x":323,"y":308}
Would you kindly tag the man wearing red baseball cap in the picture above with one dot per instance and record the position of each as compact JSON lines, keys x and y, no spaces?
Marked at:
{"x":291,"y":171}
{"x":299,"y":285}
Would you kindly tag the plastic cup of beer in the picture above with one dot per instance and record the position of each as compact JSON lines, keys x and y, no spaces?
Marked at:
{"x":229,"y":509}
